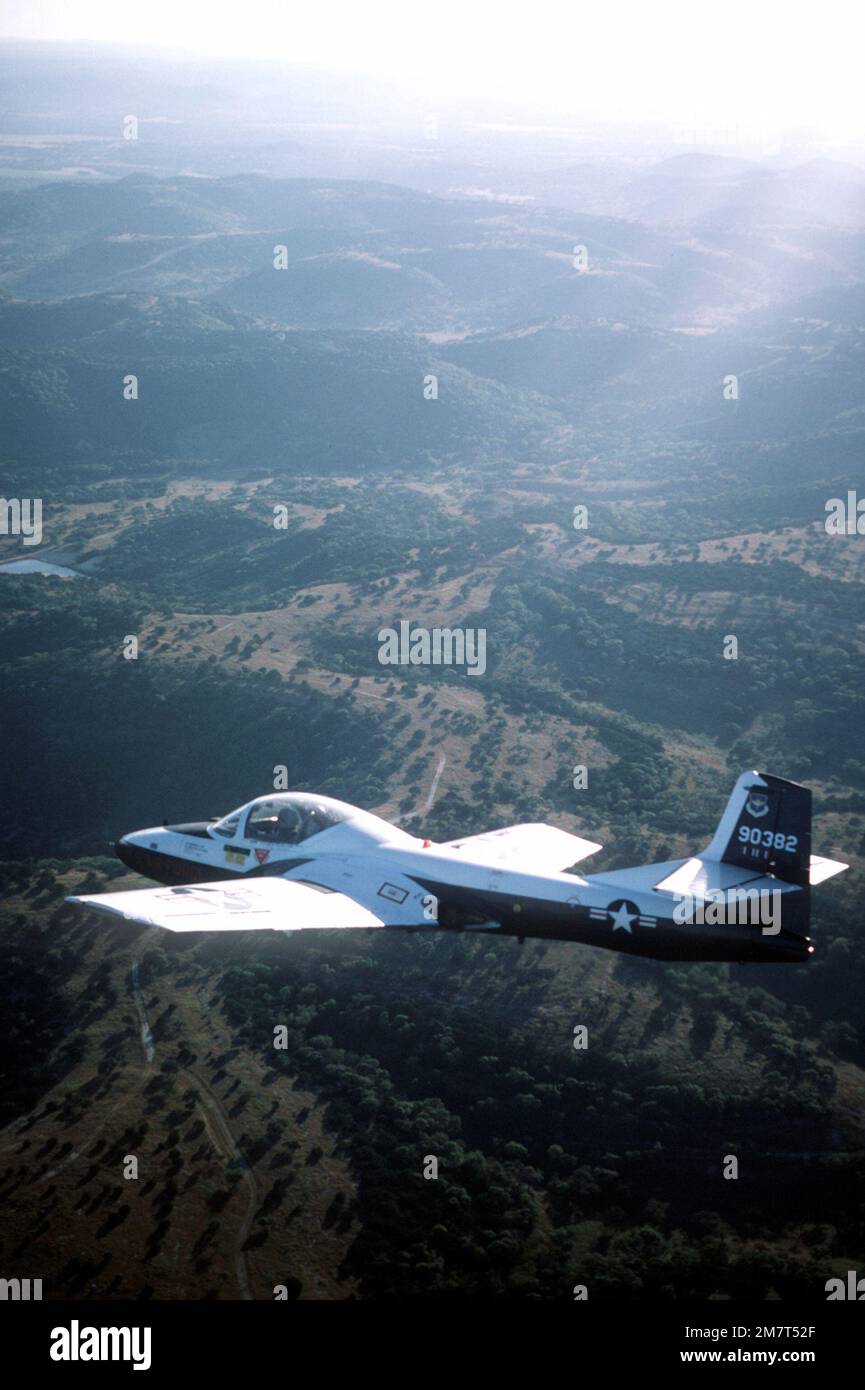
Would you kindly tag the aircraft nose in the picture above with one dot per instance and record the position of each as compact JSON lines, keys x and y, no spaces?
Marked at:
{"x":132,"y":855}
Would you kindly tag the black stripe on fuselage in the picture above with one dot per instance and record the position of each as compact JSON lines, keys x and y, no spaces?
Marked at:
{"x":667,"y":940}
{"x":172,"y":869}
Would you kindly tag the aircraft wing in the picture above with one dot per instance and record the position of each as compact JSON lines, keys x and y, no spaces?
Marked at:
{"x":534,"y":848}
{"x":264,"y":904}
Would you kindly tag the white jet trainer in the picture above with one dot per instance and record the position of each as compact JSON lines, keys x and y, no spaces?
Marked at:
{"x":295,"y":861}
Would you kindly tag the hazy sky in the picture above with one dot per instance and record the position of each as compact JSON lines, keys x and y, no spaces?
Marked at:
{"x":758,"y":64}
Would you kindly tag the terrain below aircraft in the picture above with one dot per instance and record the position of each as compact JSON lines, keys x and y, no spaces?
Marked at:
{"x":293,"y":860}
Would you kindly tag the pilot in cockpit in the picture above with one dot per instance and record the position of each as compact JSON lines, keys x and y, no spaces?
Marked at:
{"x":287,"y":822}
{"x":290,"y":829}
{"x":317,"y":819}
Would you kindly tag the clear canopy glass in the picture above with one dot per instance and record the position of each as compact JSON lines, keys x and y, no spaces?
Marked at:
{"x":288,"y":818}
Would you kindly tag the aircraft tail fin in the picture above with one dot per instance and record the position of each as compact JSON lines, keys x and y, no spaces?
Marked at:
{"x":766,"y":827}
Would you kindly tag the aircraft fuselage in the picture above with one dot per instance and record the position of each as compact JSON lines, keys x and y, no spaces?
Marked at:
{"x":461,"y":896}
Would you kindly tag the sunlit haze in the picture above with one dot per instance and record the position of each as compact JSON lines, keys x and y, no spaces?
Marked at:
{"x":769,"y":67}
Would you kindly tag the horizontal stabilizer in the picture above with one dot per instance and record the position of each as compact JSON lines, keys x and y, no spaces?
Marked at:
{"x":695,"y":878}
{"x":821,"y":869}
{"x":536,"y":849}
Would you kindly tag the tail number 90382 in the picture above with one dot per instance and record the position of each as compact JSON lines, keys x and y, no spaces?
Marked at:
{"x":770,"y":839}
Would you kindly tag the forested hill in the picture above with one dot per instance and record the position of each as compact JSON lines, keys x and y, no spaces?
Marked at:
{"x":604,"y":433}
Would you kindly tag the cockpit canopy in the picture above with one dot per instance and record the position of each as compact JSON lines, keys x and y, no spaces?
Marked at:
{"x":287,"y":818}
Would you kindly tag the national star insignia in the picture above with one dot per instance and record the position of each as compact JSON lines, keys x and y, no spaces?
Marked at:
{"x":622,"y":918}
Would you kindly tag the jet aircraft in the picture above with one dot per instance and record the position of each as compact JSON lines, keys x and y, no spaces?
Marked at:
{"x":292,"y":861}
